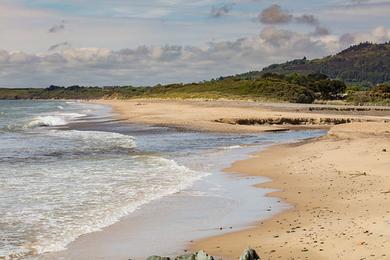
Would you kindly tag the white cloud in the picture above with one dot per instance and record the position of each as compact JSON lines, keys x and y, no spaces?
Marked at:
{"x":170,"y":63}
{"x":155,"y":64}
{"x":275,"y":15}
{"x":378,"y":34}
{"x":177,"y":39}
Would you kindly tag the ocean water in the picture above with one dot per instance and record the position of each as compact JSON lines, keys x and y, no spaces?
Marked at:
{"x":69,"y":168}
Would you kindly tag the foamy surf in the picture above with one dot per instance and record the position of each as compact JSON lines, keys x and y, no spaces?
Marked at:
{"x":72,"y":182}
{"x":232,"y":147}
{"x":92,"y":195}
{"x":57,"y":119}
{"x":97,"y":139}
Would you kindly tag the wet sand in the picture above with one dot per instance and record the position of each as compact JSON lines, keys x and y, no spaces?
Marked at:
{"x":340,"y":188}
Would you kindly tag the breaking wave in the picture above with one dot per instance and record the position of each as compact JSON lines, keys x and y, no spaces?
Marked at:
{"x":58,"y":119}
{"x":96,"y":139}
{"x":72,"y":182}
{"x":85,"y":197}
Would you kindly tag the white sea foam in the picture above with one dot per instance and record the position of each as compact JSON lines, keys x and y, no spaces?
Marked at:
{"x":72,"y":182}
{"x":154,"y":189}
{"x":86,"y":196}
{"x":232,"y":147}
{"x":55,"y":119}
{"x":97,"y":139}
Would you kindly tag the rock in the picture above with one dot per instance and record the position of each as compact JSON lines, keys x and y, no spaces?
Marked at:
{"x":186,"y":257}
{"x":249,"y":254}
{"x":201,"y":255}
{"x":155,"y":257}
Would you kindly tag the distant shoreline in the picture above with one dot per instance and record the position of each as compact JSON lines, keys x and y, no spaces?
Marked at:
{"x":240,"y":116}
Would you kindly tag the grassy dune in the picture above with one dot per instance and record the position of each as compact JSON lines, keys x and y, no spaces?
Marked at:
{"x":294,"y":88}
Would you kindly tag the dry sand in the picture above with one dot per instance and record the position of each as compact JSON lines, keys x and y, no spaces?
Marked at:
{"x":202,"y":115}
{"x":339,"y":185}
{"x":340,"y":188}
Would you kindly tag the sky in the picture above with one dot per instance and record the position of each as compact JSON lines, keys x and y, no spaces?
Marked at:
{"x":146,"y":42}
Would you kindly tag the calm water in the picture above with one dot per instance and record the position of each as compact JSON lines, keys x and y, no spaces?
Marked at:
{"x":67,"y":169}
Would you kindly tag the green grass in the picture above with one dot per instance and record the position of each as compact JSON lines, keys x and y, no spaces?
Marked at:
{"x":235,"y":89}
{"x":260,"y":89}
{"x":378,"y":95}
{"x":293,"y":88}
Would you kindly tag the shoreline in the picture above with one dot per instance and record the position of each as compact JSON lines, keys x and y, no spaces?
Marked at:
{"x":229,"y":116}
{"x":337,"y":218}
{"x":231,"y":245}
{"x":121,"y":235}
{"x":286,"y":235}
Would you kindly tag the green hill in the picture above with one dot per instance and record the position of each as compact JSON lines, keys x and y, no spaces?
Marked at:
{"x":365,"y":63}
{"x":270,"y":87}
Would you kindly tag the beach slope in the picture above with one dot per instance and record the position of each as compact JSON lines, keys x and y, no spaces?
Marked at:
{"x":339,"y":186}
{"x":240,"y":116}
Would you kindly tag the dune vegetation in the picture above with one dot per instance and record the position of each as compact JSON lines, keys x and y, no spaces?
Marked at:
{"x":294,"y":88}
{"x":271,"y":87}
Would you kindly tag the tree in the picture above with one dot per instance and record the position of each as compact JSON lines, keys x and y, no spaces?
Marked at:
{"x":54,"y":87}
{"x":329,"y":89}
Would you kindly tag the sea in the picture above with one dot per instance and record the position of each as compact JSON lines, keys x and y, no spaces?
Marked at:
{"x":69,"y":169}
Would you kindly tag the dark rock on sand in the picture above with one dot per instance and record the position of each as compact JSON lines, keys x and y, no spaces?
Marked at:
{"x":249,"y":254}
{"x":186,"y":257}
{"x":155,"y":257}
{"x":201,"y":255}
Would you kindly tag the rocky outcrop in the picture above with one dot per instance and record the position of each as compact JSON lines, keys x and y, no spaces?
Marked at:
{"x":289,"y":121}
{"x":155,"y":257}
{"x":249,"y":254}
{"x":201,"y":255}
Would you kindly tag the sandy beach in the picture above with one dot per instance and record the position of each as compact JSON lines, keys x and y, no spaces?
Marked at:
{"x":338,"y":184}
{"x":239,"y":116}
